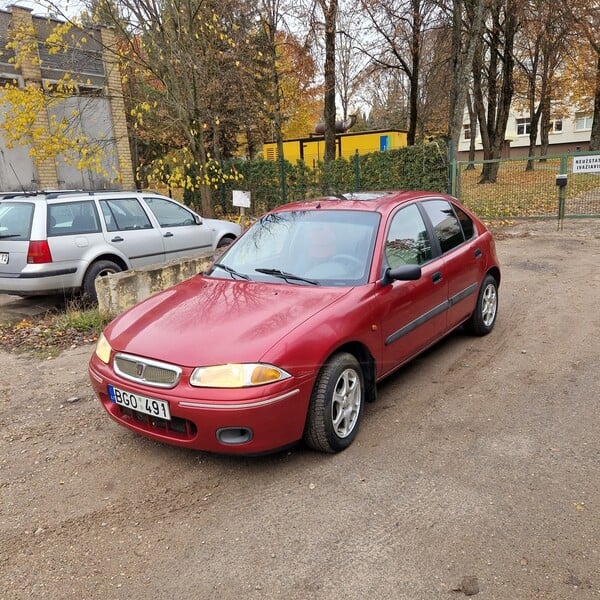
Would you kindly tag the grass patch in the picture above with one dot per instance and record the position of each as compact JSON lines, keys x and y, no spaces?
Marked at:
{"x":48,"y":335}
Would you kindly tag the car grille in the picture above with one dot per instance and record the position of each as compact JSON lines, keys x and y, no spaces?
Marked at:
{"x":146,"y":371}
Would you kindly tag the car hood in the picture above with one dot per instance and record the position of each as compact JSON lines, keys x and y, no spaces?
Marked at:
{"x":205,"y":321}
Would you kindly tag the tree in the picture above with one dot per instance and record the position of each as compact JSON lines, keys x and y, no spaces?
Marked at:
{"x":399,"y":32}
{"x":191,"y":60}
{"x":329,"y":8}
{"x":539,"y":51}
{"x":467,"y":25}
{"x":351,"y":62}
{"x":493,"y":84}
{"x":586,"y":16}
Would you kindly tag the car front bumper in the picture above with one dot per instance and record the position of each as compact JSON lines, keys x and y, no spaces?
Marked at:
{"x":236,"y":421}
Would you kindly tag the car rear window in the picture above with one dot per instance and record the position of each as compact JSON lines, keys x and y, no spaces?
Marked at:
{"x":15,"y":220}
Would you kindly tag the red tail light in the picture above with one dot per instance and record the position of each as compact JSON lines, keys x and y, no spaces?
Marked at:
{"x":39,"y":252}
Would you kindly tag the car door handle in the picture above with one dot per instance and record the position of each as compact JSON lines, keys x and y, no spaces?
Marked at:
{"x":436,"y":277}
{"x":168,"y":234}
{"x":117,"y":238}
{"x":478,"y":253}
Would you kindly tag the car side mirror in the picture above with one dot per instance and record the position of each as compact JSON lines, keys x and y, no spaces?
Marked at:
{"x":197,"y":219}
{"x":402,"y":273}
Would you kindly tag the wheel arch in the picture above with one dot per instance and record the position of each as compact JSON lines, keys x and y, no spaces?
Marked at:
{"x":225,"y":236}
{"x":113,"y":258}
{"x":495,"y":273}
{"x":366,"y":362}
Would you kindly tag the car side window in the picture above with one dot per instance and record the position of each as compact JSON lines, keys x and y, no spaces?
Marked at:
{"x":466,"y":222}
{"x":169,"y":214}
{"x":407,"y":242}
{"x":124,"y":214}
{"x":445,"y":224}
{"x":73,"y":218}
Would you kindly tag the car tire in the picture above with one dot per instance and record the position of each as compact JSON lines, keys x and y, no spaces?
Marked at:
{"x":482,"y":321}
{"x":336,"y":405}
{"x":225,"y":241}
{"x":97,"y":269}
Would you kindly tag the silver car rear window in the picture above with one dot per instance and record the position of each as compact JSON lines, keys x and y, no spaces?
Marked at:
{"x":15,"y":220}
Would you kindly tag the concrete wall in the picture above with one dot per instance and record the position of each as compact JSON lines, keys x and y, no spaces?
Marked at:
{"x":120,"y":291}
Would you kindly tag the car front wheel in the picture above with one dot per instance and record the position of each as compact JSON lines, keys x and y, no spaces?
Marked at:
{"x":336,"y":405}
{"x":483,"y":318}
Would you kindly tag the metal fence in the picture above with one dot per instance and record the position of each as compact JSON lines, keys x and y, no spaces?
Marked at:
{"x":528,"y":188}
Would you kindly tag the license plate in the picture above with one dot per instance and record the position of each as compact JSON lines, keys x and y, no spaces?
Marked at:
{"x":148,"y":406}
{"x":3,"y":258}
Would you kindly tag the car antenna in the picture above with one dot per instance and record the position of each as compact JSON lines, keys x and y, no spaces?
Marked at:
{"x":18,"y":180}
{"x":14,"y":172}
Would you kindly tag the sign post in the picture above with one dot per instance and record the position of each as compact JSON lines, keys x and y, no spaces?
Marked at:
{"x":242,"y":199}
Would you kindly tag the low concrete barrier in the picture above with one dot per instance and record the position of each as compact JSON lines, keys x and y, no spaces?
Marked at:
{"x":120,"y":291}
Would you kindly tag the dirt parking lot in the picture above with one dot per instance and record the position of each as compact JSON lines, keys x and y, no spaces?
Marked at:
{"x":477,"y":472}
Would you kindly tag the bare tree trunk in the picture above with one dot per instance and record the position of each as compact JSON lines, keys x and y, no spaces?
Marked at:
{"x":595,"y":135}
{"x":330,"y":14}
{"x":545,"y":130}
{"x":463,"y":52}
{"x":473,"y":133}
{"x":415,"y":52}
{"x":500,"y":87}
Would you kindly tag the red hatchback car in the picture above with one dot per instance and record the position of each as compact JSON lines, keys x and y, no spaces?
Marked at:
{"x":285,"y":337}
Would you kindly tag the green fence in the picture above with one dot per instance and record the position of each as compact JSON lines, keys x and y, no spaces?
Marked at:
{"x":520,"y":192}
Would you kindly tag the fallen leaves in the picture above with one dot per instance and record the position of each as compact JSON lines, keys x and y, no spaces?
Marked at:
{"x":46,"y":337}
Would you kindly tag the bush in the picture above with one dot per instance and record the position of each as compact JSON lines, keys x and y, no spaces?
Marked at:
{"x":272,"y":183}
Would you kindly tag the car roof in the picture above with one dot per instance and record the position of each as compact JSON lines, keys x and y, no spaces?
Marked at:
{"x":378,"y":201}
{"x":67,"y":195}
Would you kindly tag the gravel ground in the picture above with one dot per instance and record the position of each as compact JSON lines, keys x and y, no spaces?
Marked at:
{"x":476,"y":473}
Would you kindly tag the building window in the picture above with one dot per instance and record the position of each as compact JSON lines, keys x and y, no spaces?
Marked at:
{"x":467,"y":131}
{"x":583,"y":121}
{"x":523,"y":126}
{"x":556,"y":126}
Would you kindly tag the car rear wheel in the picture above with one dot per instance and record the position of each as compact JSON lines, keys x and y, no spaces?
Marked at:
{"x":100,"y":268}
{"x":483,"y":318}
{"x":336,"y":405}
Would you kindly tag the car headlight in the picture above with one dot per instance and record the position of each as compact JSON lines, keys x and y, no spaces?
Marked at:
{"x":103,"y":349}
{"x":237,"y":375}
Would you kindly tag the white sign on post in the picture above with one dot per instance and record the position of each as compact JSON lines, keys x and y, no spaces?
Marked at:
{"x":241,"y":198}
{"x":586,"y":164}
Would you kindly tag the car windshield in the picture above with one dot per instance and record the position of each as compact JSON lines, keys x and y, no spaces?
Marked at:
{"x":304,"y":247}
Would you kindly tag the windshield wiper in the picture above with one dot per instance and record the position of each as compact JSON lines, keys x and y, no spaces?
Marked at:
{"x":287,"y":276}
{"x":10,"y":235}
{"x":232,"y":272}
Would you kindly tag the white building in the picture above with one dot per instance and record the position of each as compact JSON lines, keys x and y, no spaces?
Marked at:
{"x":567,"y":135}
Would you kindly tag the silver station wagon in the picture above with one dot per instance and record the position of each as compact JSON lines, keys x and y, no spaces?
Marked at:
{"x":58,"y":242}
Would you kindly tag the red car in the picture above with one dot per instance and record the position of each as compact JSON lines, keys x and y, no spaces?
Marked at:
{"x":285,"y":337}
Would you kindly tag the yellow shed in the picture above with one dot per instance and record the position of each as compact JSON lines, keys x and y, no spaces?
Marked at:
{"x":312,"y":149}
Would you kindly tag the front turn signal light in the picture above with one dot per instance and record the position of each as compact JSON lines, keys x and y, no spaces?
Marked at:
{"x":103,"y":349}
